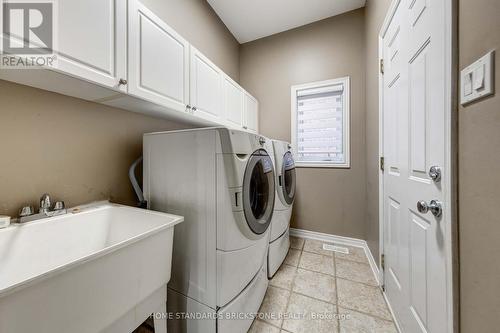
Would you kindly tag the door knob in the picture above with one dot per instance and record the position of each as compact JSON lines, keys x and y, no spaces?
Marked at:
{"x":434,"y":206}
{"x":435,"y":173}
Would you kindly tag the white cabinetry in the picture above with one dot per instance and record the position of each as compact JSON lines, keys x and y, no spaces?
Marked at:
{"x":92,"y":39}
{"x":158,"y":65}
{"x":251,"y":116}
{"x":233,"y":102}
{"x":205,"y":88}
{"x":119,"y":53}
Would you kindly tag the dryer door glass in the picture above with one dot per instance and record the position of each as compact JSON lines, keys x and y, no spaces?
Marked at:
{"x":288,"y":178}
{"x":258,"y":191}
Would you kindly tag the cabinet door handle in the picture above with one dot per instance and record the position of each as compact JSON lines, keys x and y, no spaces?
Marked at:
{"x":194,"y":108}
{"x":122,"y":82}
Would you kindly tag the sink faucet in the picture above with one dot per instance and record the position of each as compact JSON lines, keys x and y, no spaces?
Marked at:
{"x":27,"y":214}
{"x":44,"y":203}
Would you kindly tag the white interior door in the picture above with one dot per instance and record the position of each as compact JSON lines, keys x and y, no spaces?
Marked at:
{"x":158,"y":59}
{"x":205,"y":87}
{"x":414,"y":140}
{"x":92,"y":40}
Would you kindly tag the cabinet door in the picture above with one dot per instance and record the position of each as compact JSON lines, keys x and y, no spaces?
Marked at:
{"x":92,"y":39}
{"x":205,"y":87}
{"x":233,"y":103}
{"x":158,"y":60}
{"x":251,"y":113}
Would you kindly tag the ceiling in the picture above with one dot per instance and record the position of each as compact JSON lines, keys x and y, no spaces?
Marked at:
{"x":253,"y":19}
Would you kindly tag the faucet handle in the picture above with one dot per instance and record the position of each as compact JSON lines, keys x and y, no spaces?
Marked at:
{"x":59,"y":205}
{"x":44,"y":203}
{"x":26,"y":211}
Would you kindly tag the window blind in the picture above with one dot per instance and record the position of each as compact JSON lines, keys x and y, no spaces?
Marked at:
{"x":320,"y":122}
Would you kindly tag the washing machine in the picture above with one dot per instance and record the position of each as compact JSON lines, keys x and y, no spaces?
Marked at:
{"x":279,"y":241}
{"x":223,"y":182}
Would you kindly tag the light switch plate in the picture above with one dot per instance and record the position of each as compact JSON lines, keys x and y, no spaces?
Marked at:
{"x":476,"y":80}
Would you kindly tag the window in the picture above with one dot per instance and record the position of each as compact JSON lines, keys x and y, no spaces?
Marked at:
{"x":320,"y":123}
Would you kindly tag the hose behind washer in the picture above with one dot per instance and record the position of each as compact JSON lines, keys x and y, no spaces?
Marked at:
{"x":138,"y":191}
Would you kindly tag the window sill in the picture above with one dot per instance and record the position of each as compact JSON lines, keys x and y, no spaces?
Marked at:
{"x":322,"y":165}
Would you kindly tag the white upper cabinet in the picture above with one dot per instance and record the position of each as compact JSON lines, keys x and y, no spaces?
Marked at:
{"x":233,"y":98}
{"x":92,"y":39}
{"x":251,"y":119}
{"x":119,"y":53}
{"x":158,"y":66}
{"x":205,"y":88}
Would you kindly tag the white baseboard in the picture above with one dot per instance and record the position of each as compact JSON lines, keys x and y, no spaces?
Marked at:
{"x":341,"y":240}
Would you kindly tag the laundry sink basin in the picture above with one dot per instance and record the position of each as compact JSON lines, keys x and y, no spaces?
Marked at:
{"x":98,"y":268}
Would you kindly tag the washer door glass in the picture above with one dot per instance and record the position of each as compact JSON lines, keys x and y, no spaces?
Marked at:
{"x":288,"y":178}
{"x":258,"y":191}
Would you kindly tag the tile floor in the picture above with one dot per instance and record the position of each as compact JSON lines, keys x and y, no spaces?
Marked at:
{"x":318,"y":291}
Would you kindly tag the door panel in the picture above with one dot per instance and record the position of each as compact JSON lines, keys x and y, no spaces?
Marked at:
{"x":394,"y":243}
{"x":418,"y":266}
{"x":95,"y":52}
{"x":233,"y":103}
{"x":413,"y":141}
{"x":161,"y":57}
{"x":418,"y":115}
{"x":158,"y":59}
{"x":205,"y":87}
{"x":394,"y":99}
{"x":251,"y":113}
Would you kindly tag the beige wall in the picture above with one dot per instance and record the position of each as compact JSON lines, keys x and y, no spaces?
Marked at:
{"x":375,"y":12}
{"x":479,"y":180}
{"x":81,"y":151}
{"x":328,"y":200}
{"x":197,"y":22}
{"x":75,"y":150}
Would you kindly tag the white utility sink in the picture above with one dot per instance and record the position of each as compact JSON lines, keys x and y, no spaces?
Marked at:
{"x":99,"y":268}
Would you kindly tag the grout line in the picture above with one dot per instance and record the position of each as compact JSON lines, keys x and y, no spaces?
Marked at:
{"x":354,"y":261}
{"x":337,"y":305}
{"x":336,"y":278}
{"x":341,"y":241}
{"x":363,"y":283}
{"x":351,"y":260}
{"x":299,"y":293}
{"x":320,"y":254}
{"x":268,"y":323}
{"x":314,"y":298}
{"x":367,"y":314}
{"x":328,"y":275}
{"x":367,"y":263}
{"x":335,"y":268}
{"x":291,"y":288}
{"x":336,"y":292}
{"x":311,"y":270}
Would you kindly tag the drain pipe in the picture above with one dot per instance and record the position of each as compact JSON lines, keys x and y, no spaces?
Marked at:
{"x":138,"y":191}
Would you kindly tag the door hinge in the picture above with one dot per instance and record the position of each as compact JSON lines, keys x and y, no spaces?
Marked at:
{"x":382,"y":66}
{"x":382,"y":261}
{"x":382,"y":161}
